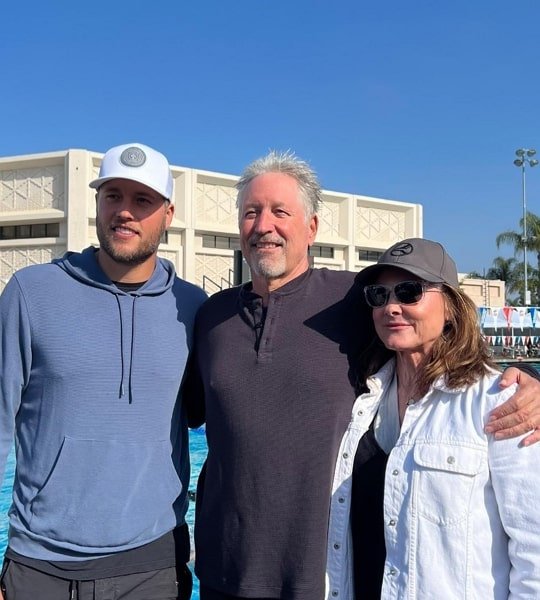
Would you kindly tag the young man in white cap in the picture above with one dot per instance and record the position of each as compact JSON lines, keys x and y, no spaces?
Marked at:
{"x":92,"y":352}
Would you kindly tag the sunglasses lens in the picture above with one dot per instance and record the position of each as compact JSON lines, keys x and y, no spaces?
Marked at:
{"x":406,"y":292}
{"x":409,"y":292}
{"x":376,"y":295}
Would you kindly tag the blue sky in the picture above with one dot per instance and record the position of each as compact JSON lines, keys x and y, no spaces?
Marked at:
{"x":418,"y":101}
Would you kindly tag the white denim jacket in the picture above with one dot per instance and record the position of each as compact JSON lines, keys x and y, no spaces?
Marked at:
{"x":461,"y":510}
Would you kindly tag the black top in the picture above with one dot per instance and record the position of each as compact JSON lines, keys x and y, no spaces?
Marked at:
{"x":367,"y":517}
{"x":279,"y":393}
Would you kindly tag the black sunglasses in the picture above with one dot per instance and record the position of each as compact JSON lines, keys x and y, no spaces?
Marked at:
{"x":405,"y":292}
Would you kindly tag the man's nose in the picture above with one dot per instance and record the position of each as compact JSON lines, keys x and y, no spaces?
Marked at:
{"x":264,"y":222}
{"x":124,"y":209}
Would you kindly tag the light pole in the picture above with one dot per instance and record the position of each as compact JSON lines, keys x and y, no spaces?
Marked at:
{"x":524,"y":156}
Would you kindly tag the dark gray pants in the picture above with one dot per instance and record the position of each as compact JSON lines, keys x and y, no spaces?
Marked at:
{"x":209,"y":594}
{"x":20,"y":582}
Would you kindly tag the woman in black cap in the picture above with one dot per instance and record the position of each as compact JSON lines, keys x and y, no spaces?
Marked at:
{"x":437,"y":507}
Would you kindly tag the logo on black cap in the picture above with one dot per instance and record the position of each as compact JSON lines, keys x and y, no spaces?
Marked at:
{"x":133,"y":157}
{"x":402,"y":249}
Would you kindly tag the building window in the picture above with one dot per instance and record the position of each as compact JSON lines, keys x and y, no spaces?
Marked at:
{"x":7,"y":233}
{"x":369,"y":255}
{"x":220,"y":241}
{"x":40,"y":230}
{"x":34,"y":230}
{"x":24,"y":231}
{"x":164,"y":239}
{"x":321,"y":251}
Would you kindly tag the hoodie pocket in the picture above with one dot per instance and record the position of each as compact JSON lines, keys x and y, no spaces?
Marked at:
{"x":107,"y":494}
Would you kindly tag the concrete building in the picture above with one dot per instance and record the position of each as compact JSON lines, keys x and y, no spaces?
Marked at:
{"x":46,"y":208}
{"x":484,"y":292}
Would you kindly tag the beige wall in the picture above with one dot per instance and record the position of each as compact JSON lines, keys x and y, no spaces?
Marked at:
{"x":484,"y":292}
{"x":53,"y":188}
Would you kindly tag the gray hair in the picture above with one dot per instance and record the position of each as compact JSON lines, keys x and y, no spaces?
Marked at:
{"x":289,"y":164}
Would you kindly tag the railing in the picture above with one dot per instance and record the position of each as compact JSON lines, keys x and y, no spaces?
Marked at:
{"x":206,"y":280}
{"x":224,"y":283}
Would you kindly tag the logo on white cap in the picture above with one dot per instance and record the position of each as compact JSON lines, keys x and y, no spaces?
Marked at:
{"x":133,"y":157}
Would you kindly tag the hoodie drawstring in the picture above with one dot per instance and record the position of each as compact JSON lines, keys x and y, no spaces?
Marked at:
{"x":131,"y":349}
{"x":121,"y":390}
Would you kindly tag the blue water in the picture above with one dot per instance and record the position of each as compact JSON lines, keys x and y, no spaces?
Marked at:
{"x":197,"y":448}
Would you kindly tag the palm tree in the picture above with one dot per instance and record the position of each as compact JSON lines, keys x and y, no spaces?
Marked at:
{"x":475,"y":275}
{"x":505,"y":269}
{"x":516,"y":239}
{"x":515,"y":288}
{"x":502,"y":268}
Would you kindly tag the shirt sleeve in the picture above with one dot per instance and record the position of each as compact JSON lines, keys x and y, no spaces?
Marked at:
{"x":515,"y":475}
{"x":192,"y":391}
{"x":15,"y":362}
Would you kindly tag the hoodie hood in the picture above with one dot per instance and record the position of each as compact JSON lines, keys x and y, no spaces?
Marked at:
{"x":84,"y":267}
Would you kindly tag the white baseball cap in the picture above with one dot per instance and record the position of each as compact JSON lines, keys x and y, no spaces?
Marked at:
{"x":138,"y":163}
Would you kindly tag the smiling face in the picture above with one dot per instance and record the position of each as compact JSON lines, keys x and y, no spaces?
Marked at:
{"x":410,"y":329}
{"x":130,"y":220}
{"x":275,"y":233}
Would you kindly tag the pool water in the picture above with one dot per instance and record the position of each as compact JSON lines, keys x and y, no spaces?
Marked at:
{"x":197,"y":449}
{"x":5,"y":501}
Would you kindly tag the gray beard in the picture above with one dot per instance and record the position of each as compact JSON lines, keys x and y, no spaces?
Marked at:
{"x":268,"y":269}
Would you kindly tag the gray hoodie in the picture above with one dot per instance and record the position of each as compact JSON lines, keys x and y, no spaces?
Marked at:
{"x":89,"y":378}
